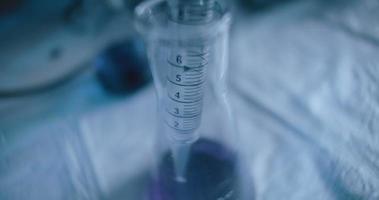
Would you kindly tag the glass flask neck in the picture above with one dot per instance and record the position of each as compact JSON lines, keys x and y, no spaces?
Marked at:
{"x":193,"y":11}
{"x":165,"y":20}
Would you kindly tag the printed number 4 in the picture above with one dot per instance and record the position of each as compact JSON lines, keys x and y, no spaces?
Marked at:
{"x":177,"y":95}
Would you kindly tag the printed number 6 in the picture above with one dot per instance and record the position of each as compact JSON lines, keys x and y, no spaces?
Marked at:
{"x":179,"y":59}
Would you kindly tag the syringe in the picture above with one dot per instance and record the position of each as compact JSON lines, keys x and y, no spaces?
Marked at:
{"x":185,"y":82}
{"x":187,"y":64}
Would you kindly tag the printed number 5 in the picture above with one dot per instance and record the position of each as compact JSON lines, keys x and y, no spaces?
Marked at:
{"x":178,"y":78}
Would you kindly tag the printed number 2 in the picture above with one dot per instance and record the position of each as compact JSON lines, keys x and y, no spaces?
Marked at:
{"x":176,"y":124}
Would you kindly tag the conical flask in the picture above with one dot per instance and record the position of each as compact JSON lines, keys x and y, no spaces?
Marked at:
{"x":197,"y":155}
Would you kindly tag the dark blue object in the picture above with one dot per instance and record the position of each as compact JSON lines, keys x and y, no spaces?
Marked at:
{"x":211,"y":174}
{"x":261,"y":5}
{"x":123,"y":67}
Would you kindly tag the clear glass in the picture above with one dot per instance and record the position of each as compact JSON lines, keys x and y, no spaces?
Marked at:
{"x":196,"y":155}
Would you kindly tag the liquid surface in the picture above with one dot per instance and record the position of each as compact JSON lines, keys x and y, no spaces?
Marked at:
{"x":211,"y":174}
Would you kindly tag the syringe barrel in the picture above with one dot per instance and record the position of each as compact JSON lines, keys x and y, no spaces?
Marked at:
{"x":186,"y":48}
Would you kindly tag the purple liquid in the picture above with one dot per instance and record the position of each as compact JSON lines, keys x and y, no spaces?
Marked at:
{"x":211,"y":174}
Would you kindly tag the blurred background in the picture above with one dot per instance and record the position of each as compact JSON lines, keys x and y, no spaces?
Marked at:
{"x":76,"y":91}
